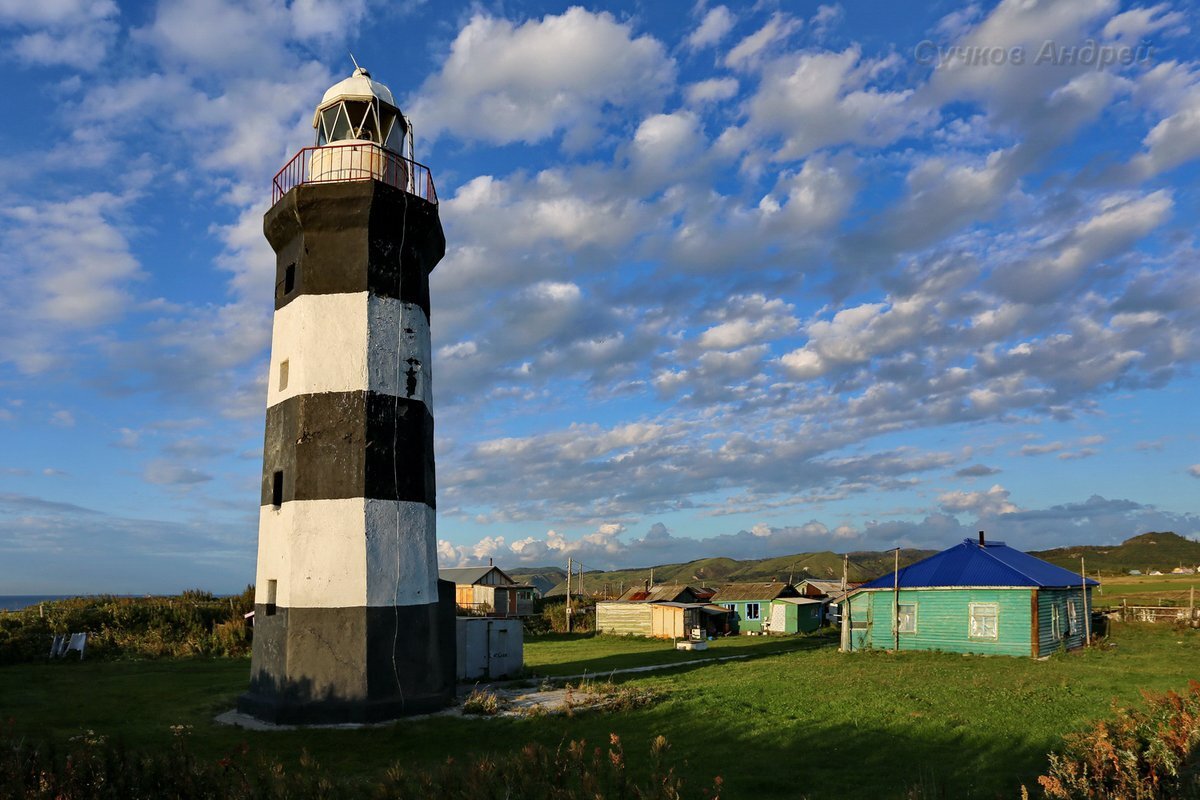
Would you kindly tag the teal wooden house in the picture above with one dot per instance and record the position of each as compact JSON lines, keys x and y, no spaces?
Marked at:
{"x":977,"y":597}
{"x":753,"y":605}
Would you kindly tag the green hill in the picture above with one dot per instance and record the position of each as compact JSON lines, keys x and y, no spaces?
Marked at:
{"x":1156,"y":550}
{"x":1162,"y":551}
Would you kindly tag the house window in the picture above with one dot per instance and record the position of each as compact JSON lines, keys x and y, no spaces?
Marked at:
{"x":731,"y":607}
{"x":1072,"y":619}
{"x":283,"y":375}
{"x":277,"y":489}
{"x":272,"y":591}
{"x":752,"y":611}
{"x":907,"y":617}
{"x":1055,"y":623}
{"x":289,"y":279}
{"x":984,"y":621}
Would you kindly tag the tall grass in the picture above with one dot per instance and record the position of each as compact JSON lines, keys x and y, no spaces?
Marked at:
{"x":92,"y":767}
{"x":194,"y":623}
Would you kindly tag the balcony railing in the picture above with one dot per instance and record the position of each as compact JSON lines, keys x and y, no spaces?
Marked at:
{"x":338,"y":163}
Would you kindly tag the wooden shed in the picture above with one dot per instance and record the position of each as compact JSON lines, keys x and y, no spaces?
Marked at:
{"x":665,"y":620}
{"x":976,"y":597}
{"x":794,"y":615}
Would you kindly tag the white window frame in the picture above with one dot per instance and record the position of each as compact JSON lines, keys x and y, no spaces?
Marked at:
{"x":976,"y":609}
{"x":899,"y":626}
{"x":1055,"y":622}
{"x":757,"y":615}
{"x":1072,"y":618}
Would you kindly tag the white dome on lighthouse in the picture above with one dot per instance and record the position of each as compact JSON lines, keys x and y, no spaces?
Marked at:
{"x":358,"y":86}
{"x":357,"y":110}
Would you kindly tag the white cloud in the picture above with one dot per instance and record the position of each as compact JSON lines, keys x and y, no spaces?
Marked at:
{"x":504,"y":82}
{"x":711,"y":90}
{"x":1194,"y":470}
{"x":746,"y":52}
{"x":712,"y":29}
{"x":73,"y":33}
{"x":990,"y":503}
{"x":812,"y":100}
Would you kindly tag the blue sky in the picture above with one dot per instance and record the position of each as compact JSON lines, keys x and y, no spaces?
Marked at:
{"x":736,"y":280}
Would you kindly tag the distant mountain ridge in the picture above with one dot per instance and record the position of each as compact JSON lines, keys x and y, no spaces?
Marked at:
{"x":1163,"y":551}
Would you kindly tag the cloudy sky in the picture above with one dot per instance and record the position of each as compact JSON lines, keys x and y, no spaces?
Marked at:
{"x":739,"y":280}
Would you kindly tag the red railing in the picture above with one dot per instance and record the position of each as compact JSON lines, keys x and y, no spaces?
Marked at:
{"x":354,"y":162}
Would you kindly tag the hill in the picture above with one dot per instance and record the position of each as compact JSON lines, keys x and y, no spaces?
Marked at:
{"x":716,"y":571}
{"x":1156,"y":550}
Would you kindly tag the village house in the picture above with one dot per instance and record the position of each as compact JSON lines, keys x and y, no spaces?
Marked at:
{"x":755,"y":610}
{"x":489,"y":592}
{"x":976,"y":597}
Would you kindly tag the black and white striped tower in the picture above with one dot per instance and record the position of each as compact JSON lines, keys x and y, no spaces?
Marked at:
{"x":350,"y":621}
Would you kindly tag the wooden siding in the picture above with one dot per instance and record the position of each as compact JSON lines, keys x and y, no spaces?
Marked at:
{"x":798,"y":618}
{"x":740,"y":623}
{"x":634,"y":619}
{"x":1048,"y":600}
{"x":943,"y":620}
{"x":667,"y":622}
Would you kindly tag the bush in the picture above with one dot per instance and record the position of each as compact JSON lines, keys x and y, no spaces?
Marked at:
{"x":92,"y":767}
{"x":1139,"y":755}
{"x":193,"y":624}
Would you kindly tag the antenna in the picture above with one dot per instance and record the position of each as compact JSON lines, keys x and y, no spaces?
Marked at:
{"x":353,"y":61}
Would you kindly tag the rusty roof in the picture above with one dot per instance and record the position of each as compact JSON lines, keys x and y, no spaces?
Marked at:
{"x":661,"y":593}
{"x":754,"y":591}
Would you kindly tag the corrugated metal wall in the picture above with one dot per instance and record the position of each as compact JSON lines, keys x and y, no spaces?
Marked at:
{"x":625,"y":618}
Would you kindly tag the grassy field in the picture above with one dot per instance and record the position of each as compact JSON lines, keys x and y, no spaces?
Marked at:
{"x":806,"y":721}
{"x":1149,"y":590}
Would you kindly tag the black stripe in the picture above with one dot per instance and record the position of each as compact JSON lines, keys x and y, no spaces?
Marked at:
{"x":337,"y":445}
{"x":346,"y":237}
{"x":361,"y":664}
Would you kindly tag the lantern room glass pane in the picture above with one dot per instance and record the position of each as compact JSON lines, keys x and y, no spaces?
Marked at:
{"x":357,"y":110}
{"x":369,"y":129}
{"x":341,"y":126}
{"x":395,"y":133}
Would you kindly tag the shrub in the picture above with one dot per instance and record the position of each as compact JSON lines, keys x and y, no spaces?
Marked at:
{"x":93,"y":767}
{"x":192,"y":624}
{"x":1138,"y":755}
{"x":482,"y":701}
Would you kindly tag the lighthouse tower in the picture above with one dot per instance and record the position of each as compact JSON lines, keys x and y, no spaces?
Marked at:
{"x":350,"y":623}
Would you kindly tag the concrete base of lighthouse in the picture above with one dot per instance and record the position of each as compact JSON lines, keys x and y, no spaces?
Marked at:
{"x":321,"y":666}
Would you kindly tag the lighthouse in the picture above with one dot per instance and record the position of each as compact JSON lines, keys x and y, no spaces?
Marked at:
{"x":350,"y":623}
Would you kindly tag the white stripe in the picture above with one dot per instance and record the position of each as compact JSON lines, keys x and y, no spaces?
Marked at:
{"x":347,"y":343}
{"x":345,"y":553}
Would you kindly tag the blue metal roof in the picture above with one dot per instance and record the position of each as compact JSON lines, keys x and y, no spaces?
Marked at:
{"x":973,"y":564}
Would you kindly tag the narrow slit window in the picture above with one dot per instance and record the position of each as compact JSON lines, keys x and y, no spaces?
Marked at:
{"x":277,"y":489}
{"x":283,"y":375}
{"x":272,"y":593}
{"x":289,"y":279}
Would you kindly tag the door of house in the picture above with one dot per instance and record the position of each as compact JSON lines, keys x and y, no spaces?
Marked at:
{"x":778,"y":618}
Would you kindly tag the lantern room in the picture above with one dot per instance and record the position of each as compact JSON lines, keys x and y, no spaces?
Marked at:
{"x":359,"y":109}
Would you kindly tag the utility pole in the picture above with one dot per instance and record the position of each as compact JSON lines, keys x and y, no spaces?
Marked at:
{"x":570,"y":567}
{"x":896,"y":601}
{"x":1087,"y":615}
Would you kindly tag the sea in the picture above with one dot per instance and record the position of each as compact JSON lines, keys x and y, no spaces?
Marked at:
{"x":15,"y":602}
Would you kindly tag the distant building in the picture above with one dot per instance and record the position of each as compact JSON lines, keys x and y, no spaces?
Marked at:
{"x":752,"y":607}
{"x":666,"y":619}
{"x":1135,"y":572}
{"x":489,"y":592}
{"x":976,"y":597}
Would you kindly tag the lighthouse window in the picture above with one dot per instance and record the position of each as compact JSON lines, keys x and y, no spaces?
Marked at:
{"x":341,"y":125}
{"x":369,"y":129}
{"x":272,"y":593}
{"x":283,"y":375}
{"x":289,"y":279}
{"x":277,"y":489}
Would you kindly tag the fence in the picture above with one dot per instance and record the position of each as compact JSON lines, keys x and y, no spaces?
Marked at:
{"x":339,"y":163}
{"x":1183,"y":614}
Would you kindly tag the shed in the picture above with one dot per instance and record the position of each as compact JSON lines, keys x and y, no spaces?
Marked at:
{"x":794,"y":615}
{"x":750,"y":602}
{"x":667,"y":620}
{"x":976,"y":597}
{"x":489,"y":592}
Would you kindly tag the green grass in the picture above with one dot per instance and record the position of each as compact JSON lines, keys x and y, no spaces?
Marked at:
{"x":566,"y":654}
{"x":808,"y":721}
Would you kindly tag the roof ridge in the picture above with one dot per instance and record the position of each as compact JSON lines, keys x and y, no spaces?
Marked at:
{"x":967,"y":543}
